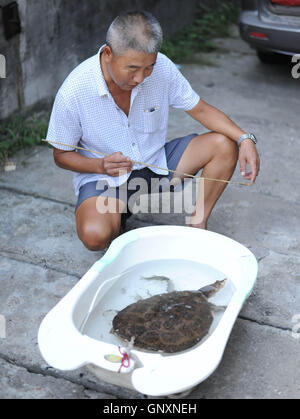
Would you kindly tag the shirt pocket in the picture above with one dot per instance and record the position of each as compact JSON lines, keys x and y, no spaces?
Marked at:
{"x":152,"y":120}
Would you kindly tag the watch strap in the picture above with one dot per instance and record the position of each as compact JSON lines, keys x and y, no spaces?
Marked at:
{"x":248,"y":136}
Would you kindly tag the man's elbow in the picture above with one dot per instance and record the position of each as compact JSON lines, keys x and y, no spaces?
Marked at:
{"x":57,"y":154}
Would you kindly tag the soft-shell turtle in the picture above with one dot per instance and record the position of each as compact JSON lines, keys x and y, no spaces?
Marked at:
{"x":170,"y":322}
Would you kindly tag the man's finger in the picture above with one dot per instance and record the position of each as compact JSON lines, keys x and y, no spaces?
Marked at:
{"x":243,"y":165}
{"x":123,"y":164}
{"x":254,"y":171}
{"x":118,"y":158}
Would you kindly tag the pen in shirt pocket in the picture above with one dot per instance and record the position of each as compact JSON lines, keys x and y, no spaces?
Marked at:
{"x":151,"y":110}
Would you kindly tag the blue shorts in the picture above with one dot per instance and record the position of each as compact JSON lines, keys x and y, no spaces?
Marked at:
{"x":174,"y":151}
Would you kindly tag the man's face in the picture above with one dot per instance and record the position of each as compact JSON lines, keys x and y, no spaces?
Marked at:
{"x":129,"y":69}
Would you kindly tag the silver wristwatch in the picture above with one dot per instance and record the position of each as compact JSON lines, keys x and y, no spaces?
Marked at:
{"x":246,"y":137}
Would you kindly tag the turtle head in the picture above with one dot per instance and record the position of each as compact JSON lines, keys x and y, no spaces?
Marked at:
{"x":210,"y":290}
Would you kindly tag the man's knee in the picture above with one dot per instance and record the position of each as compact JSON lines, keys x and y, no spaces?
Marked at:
{"x":227,"y":148}
{"x":96,"y":239}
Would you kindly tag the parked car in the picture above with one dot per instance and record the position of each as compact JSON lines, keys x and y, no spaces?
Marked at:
{"x":272,"y":27}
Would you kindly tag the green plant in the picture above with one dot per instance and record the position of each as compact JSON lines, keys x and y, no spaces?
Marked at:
{"x":20,"y":132}
{"x":209,"y":23}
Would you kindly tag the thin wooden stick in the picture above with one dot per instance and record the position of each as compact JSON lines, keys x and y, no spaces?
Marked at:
{"x":150,"y":165}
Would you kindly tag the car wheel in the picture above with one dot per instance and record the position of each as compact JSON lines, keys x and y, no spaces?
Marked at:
{"x":268,"y":57}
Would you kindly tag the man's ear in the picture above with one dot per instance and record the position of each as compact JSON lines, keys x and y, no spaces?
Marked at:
{"x":107,"y":53}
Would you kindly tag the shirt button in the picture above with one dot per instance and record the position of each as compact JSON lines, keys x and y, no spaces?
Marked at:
{"x":133,"y":144}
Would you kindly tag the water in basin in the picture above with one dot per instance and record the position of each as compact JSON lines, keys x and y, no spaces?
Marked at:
{"x":133,"y":286}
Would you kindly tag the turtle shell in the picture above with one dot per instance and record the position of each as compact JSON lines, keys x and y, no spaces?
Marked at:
{"x":170,"y":322}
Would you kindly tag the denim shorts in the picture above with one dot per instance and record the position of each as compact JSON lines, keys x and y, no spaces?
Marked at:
{"x":174,"y":151}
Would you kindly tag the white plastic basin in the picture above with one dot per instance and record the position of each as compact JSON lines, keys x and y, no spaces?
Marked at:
{"x":191,"y":258}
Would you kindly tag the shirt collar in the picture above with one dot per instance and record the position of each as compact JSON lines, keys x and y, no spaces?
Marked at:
{"x":101,"y":83}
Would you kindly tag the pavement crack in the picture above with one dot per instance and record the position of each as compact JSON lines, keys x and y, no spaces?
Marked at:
{"x":58,"y":201}
{"x":34,"y":195}
{"x":289,"y":254}
{"x":18,"y":257}
{"x":259,"y":259}
{"x":266,"y":324}
{"x":288,"y":201}
{"x":87,"y":385}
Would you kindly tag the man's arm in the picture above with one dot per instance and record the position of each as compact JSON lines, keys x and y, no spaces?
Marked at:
{"x":75,"y":162}
{"x":215,"y":120}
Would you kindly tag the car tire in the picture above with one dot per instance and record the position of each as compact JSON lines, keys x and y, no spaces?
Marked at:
{"x":268,"y":57}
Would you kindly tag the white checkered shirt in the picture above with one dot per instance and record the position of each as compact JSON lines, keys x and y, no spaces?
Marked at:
{"x":85,"y":114}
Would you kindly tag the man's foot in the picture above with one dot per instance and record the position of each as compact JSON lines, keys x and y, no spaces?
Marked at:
{"x":201,"y":226}
{"x":197,"y":222}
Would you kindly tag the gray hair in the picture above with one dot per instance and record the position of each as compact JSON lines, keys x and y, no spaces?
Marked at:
{"x":136,"y":30}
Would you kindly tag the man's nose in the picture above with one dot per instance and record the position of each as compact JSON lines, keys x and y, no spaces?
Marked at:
{"x":139,"y":77}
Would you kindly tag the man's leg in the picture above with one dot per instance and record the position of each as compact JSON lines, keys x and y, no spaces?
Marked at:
{"x":218,"y":156}
{"x":95,"y":229}
{"x":99,"y":212}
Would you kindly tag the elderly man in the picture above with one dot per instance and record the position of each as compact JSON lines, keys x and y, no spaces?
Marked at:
{"x":117,"y":102}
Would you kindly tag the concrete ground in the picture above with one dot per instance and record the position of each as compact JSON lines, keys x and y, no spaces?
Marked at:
{"x":41,"y":258}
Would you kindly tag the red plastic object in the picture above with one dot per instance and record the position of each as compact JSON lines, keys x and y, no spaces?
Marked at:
{"x":258,"y":35}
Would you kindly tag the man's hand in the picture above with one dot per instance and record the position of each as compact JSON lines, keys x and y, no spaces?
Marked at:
{"x":249,"y":155}
{"x":116,"y":165}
